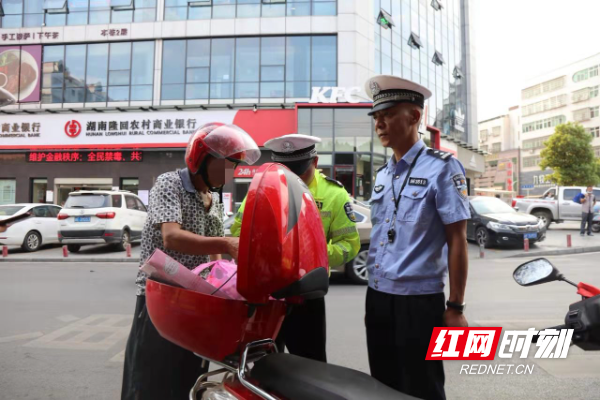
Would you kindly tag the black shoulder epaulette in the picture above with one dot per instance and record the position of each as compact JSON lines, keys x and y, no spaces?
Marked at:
{"x":333,"y":181}
{"x":382,"y":167}
{"x":442,"y":155}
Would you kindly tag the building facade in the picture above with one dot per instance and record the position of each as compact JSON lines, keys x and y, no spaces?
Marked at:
{"x":499,"y":137}
{"x":109,"y":91}
{"x":566,"y":94}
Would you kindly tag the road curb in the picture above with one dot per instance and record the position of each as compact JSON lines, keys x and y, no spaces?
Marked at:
{"x":560,"y":252}
{"x":72,"y":260}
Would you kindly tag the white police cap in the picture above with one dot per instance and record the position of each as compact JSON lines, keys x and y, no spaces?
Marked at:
{"x":388,"y":90}
{"x":294,"y":147}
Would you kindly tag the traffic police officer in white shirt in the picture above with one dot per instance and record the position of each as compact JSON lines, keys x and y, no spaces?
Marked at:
{"x":419,"y":209}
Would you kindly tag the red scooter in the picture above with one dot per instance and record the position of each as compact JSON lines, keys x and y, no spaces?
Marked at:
{"x":282,"y":260}
{"x":583,"y":316}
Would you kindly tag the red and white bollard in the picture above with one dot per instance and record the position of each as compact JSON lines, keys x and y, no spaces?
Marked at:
{"x":65,"y":251}
{"x":128,"y":249}
{"x":481,"y":251}
{"x":4,"y":251}
{"x":526,"y":244}
{"x":568,"y":240}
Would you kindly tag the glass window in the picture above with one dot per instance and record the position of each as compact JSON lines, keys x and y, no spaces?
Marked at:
{"x":298,"y":59}
{"x":304,"y":121}
{"x":130,"y":203}
{"x":196,"y":91}
{"x":97,"y":72}
{"x":8,"y":189}
{"x":247,"y":60}
{"x":77,"y":18}
{"x":272,"y":89}
{"x":12,"y":6}
{"x":352,"y":130}
{"x":222,"y":54}
{"x":364,"y":177}
{"x":173,"y":69}
{"x":281,"y":69}
{"x":324,"y":66}
{"x":130,"y":184}
{"x":273,"y":10}
{"x":75,"y":66}
{"x":273,"y":51}
{"x":246,"y":90}
{"x":140,"y":205}
{"x":322,"y":126}
{"x":38,"y":190}
{"x":142,"y":63}
{"x":117,"y":200}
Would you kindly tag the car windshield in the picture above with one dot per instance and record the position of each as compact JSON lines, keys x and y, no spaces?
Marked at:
{"x":88,"y":201}
{"x":491,"y":205}
{"x":6,"y":211}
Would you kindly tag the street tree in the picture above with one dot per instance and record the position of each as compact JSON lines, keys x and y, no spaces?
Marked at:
{"x":570,"y":155}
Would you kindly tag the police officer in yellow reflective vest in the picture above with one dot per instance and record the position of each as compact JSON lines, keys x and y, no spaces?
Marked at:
{"x":304,"y":329}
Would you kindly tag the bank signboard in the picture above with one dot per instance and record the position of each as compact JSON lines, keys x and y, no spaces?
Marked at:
{"x":108,"y":130}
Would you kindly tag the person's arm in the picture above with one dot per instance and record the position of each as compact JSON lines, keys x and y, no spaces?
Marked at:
{"x":182,"y":241}
{"x":458,"y":266}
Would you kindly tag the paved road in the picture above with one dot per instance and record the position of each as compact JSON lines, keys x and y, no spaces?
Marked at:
{"x":65,"y":327}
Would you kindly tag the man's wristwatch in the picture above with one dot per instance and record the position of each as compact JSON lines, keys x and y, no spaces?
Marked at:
{"x":456,"y":306}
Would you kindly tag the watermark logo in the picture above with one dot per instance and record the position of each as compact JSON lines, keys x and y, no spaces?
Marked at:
{"x":482,"y":343}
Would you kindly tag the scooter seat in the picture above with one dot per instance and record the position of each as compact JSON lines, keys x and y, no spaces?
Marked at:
{"x":298,"y":378}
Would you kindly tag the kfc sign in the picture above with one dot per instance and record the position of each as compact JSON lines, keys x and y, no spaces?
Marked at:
{"x":348,"y":94}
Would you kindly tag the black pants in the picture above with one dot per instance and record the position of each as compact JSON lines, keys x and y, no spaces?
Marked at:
{"x":589,"y":219}
{"x":154,"y":367}
{"x":304,"y":331}
{"x":399,"y":329}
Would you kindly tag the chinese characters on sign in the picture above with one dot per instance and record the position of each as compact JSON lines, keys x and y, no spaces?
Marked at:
{"x":140,"y":127}
{"x":114,"y":32}
{"x":24,"y":129}
{"x":30,"y":36}
{"x":85,"y":156}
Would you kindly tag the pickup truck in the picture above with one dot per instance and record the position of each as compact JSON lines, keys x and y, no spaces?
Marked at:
{"x":552,"y":208}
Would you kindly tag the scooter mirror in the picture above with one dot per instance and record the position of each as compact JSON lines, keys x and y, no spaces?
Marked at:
{"x":536,"y":272}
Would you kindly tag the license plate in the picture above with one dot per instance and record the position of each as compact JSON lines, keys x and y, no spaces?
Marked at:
{"x":531,"y":236}
{"x":83,"y":219}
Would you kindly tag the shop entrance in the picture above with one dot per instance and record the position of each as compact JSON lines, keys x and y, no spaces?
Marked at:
{"x":67,"y":185}
{"x":345,"y":174}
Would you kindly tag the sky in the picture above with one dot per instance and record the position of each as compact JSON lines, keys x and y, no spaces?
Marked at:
{"x":516,"y":40}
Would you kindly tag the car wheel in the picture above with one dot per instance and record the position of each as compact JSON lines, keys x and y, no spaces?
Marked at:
{"x":125,"y":240}
{"x":482,"y":237}
{"x":32,"y":241}
{"x":596,"y":228}
{"x":73,"y":248}
{"x":544,"y":216}
{"x":356,"y":270}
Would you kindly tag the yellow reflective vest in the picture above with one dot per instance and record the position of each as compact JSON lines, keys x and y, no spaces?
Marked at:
{"x":343,"y":242}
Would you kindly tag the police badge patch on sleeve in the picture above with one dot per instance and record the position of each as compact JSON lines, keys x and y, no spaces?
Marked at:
{"x":460,"y":183}
{"x":349,"y":212}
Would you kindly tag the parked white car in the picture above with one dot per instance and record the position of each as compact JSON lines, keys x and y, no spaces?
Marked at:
{"x":39,"y":228}
{"x":101,"y":216}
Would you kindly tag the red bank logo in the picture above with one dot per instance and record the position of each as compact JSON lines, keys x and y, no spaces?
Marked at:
{"x":72,"y":128}
{"x":463,"y":343}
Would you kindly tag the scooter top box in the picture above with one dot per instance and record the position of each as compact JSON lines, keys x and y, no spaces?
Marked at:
{"x":282,"y":253}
